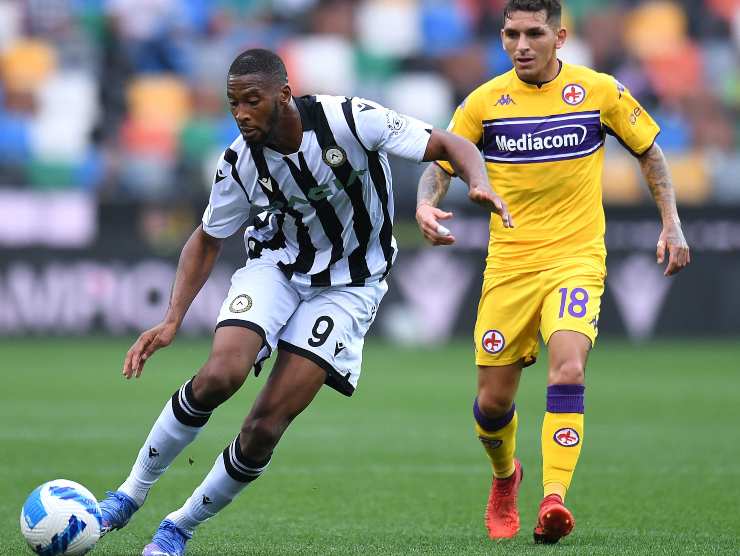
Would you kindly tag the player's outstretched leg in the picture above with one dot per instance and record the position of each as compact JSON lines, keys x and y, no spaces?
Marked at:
{"x":554,"y":520}
{"x":181,"y":420}
{"x":292,"y":385}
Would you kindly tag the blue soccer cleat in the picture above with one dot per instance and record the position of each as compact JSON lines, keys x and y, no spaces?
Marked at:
{"x":116,"y":510}
{"x":169,"y":540}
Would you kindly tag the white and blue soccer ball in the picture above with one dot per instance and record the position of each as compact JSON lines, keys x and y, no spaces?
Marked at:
{"x":61,"y":518}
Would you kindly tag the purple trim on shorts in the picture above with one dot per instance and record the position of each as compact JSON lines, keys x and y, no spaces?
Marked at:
{"x":492,"y":424}
{"x":565,"y":398}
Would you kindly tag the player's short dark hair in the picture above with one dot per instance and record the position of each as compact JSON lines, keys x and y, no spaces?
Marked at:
{"x":259,"y":60}
{"x":552,"y":8}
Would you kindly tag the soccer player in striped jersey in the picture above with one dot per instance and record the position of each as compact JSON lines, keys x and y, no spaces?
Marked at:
{"x":315,"y":171}
{"x":541,"y":128}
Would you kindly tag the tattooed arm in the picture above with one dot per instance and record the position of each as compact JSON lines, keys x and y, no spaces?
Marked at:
{"x":433,"y":186}
{"x":655,"y":169}
{"x":467,"y":163}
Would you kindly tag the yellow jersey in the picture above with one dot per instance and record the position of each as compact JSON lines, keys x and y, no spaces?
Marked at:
{"x":544,"y":153}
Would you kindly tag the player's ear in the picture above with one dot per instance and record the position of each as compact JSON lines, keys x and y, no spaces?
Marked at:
{"x":285,"y":94}
{"x":561,"y":35}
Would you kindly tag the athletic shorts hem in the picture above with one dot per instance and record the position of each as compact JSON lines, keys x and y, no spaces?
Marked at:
{"x":528,"y":360}
{"x":245,"y":324}
{"x":334,"y":379}
{"x":590,"y":334}
{"x":254,"y":327}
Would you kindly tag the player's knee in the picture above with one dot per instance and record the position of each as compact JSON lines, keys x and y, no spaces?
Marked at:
{"x":493,"y":404}
{"x":219,"y":379}
{"x":568,"y":371}
{"x":261,"y":434}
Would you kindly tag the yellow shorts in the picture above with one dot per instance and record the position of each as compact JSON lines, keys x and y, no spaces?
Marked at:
{"x":514,"y":307}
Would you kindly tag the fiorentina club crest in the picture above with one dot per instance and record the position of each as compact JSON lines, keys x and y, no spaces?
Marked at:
{"x":573,"y":94}
{"x":566,"y":437}
{"x":493,"y":341}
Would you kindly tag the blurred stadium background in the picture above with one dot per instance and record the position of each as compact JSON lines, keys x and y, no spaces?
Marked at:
{"x":112,"y":115}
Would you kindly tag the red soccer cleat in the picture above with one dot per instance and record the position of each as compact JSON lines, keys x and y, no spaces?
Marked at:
{"x":554,"y":521}
{"x":502,"y":514}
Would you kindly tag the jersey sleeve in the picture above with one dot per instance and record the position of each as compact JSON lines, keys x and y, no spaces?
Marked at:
{"x":380,"y":128}
{"x":466,"y":122}
{"x":228,"y":205}
{"x":626,"y":120}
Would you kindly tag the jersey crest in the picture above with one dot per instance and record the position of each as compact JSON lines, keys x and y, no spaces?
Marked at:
{"x":334,"y":155}
{"x":573,"y":94}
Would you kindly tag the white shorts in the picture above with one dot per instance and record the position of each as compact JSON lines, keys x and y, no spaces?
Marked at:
{"x":325,"y":325}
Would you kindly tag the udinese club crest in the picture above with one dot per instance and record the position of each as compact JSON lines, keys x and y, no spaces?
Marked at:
{"x":241,"y":304}
{"x":493,"y":341}
{"x":334,"y":156}
{"x":573,"y":94}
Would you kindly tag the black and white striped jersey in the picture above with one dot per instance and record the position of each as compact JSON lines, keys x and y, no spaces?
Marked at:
{"x":324,"y":213}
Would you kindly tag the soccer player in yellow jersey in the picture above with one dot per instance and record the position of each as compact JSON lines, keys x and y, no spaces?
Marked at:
{"x":541,"y":128}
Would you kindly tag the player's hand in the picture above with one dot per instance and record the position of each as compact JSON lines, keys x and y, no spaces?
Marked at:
{"x":486,"y":198}
{"x":428,"y":218}
{"x":150,"y":341}
{"x":671,"y":238}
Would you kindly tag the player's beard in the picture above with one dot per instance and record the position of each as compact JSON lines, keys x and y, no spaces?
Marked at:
{"x":271,"y":126}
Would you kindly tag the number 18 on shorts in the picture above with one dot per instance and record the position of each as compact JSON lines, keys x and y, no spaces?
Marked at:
{"x":515,"y":308}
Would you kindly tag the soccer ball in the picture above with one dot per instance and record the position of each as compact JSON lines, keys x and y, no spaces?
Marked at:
{"x":61,"y":518}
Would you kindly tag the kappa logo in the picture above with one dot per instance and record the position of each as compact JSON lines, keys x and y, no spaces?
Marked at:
{"x":219,"y":176}
{"x":153,"y":452}
{"x":566,"y":437}
{"x":241,"y":304}
{"x":493,"y":341}
{"x":595,"y":322}
{"x":266,"y":183}
{"x":573,"y":94}
{"x":338,"y":348}
{"x":505,"y":100}
{"x":334,"y":156}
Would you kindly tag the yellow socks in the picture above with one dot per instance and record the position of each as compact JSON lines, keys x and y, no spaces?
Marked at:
{"x":562,"y":436}
{"x":498,"y":436}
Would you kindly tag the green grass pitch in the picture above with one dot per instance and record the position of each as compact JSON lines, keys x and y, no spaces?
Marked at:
{"x":397,"y":468}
